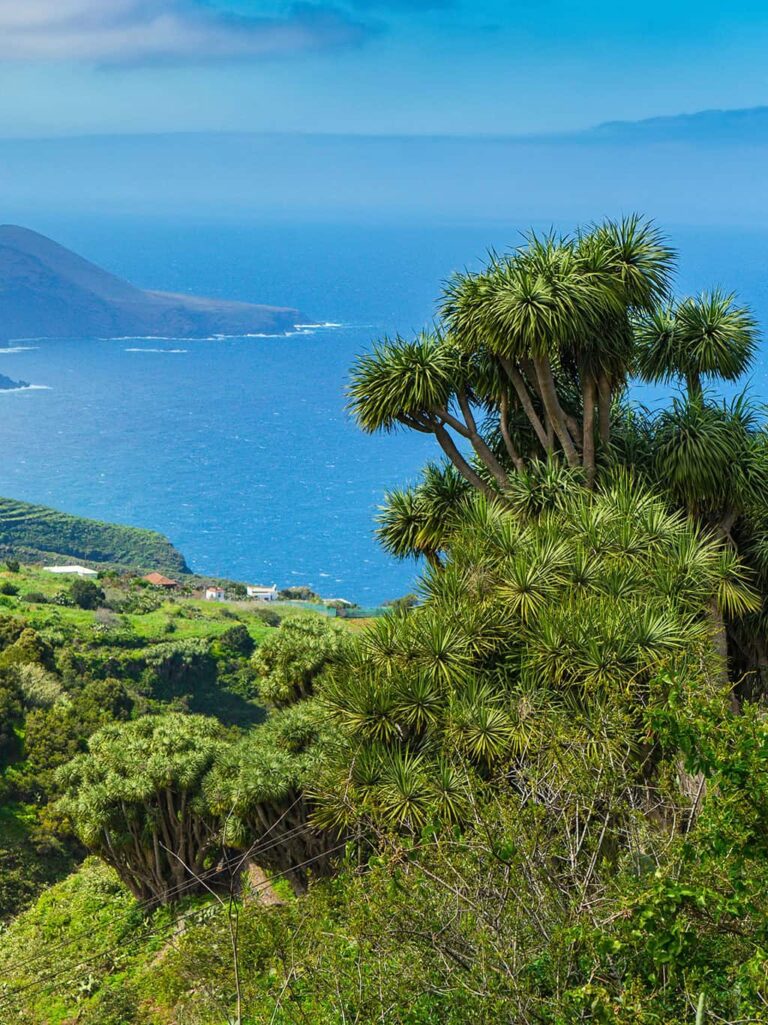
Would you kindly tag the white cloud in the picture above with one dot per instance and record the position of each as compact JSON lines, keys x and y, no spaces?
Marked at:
{"x":131,"y":31}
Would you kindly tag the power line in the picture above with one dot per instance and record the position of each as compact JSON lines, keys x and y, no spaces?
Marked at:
{"x":143,"y":907}
{"x":41,"y":983}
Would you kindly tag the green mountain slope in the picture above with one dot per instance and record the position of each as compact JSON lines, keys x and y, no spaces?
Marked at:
{"x":34,"y":532}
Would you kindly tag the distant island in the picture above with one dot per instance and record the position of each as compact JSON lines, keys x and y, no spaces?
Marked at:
{"x":47,"y":291}
{"x":8,"y":384}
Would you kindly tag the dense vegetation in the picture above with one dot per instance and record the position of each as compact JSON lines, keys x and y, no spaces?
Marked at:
{"x":36,"y":533}
{"x":538,"y":795}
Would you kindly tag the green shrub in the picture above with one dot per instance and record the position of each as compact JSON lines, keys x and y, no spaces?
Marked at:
{"x":291,"y":660}
{"x":138,"y":789}
{"x":237,"y":640}
{"x":268,"y":616}
{"x":86,"y":594}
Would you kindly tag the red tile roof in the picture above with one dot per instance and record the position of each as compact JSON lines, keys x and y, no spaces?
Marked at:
{"x":159,"y":580}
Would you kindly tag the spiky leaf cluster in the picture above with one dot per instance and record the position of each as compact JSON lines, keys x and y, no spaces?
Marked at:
{"x":289,"y":661}
{"x":553,"y":617}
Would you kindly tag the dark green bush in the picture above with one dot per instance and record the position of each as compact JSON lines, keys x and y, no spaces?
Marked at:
{"x":237,"y":640}
{"x":86,"y":594}
{"x":268,"y":616}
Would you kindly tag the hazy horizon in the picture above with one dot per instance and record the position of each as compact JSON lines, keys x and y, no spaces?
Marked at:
{"x":705,"y":168}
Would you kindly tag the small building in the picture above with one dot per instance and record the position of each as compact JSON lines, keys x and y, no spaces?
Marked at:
{"x":158,"y":580}
{"x":214,"y":593}
{"x":78,"y":571}
{"x":262,"y":593}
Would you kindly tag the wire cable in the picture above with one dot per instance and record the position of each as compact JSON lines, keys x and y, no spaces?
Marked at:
{"x":41,"y":984}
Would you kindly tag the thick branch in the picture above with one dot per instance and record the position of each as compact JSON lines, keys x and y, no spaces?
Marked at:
{"x":554,"y":410}
{"x":415,"y":424}
{"x":463,"y":429}
{"x":512,"y":452}
{"x":479,"y":443}
{"x":524,"y":398}
{"x":448,"y":446}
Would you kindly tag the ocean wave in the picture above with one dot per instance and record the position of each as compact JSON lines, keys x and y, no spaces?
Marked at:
{"x":149,"y":338}
{"x":16,"y":348}
{"x":328,"y":323}
{"x":204,"y":338}
{"x":25,"y":387}
{"x":157,"y":350}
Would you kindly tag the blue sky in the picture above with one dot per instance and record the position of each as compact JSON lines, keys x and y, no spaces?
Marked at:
{"x":371,"y":66}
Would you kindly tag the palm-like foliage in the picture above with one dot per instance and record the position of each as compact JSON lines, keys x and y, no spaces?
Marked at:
{"x":711,"y":458}
{"x":418,"y":521}
{"x":582,"y":600}
{"x":541,"y":339}
{"x":424,"y":384}
{"x":704,"y":337}
{"x":403,"y":382}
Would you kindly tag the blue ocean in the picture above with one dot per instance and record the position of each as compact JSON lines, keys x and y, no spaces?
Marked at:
{"x":240,"y":449}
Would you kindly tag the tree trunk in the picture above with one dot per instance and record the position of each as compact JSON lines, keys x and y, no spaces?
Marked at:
{"x":604,"y":404}
{"x":720,"y":637}
{"x":524,"y":398}
{"x":588,"y":428}
{"x":433,"y":559}
{"x":693,"y":384}
{"x":512,"y":452}
{"x":554,"y":410}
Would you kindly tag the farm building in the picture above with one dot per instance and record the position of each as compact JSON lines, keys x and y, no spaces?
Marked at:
{"x":158,"y":580}
{"x":262,"y":593}
{"x":79,"y":571}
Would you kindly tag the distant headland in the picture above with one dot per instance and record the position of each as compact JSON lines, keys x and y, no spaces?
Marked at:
{"x":8,"y":384}
{"x":47,"y":291}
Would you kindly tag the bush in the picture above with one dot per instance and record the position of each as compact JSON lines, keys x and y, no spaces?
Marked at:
{"x":28,"y":647}
{"x":10,"y":716}
{"x":12,"y":565}
{"x":238,"y":640}
{"x":408,"y":601}
{"x":8,"y":588}
{"x":268,"y":616}
{"x":34,"y":598}
{"x":86,"y":594}
{"x":176,"y":668}
{"x":291,"y":660}
{"x":301,"y":593}
{"x":39,"y":687}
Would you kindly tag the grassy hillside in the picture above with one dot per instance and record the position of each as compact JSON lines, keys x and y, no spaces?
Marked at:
{"x":32,"y":532}
{"x":155,"y":617}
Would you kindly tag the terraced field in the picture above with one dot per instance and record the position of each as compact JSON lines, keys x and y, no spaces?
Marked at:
{"x":35,"y":532}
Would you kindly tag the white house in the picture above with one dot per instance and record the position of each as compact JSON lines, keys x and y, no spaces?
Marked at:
{"x":80,"y":571}
{"x":214,"y":593}
{"x":262,"y":593}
